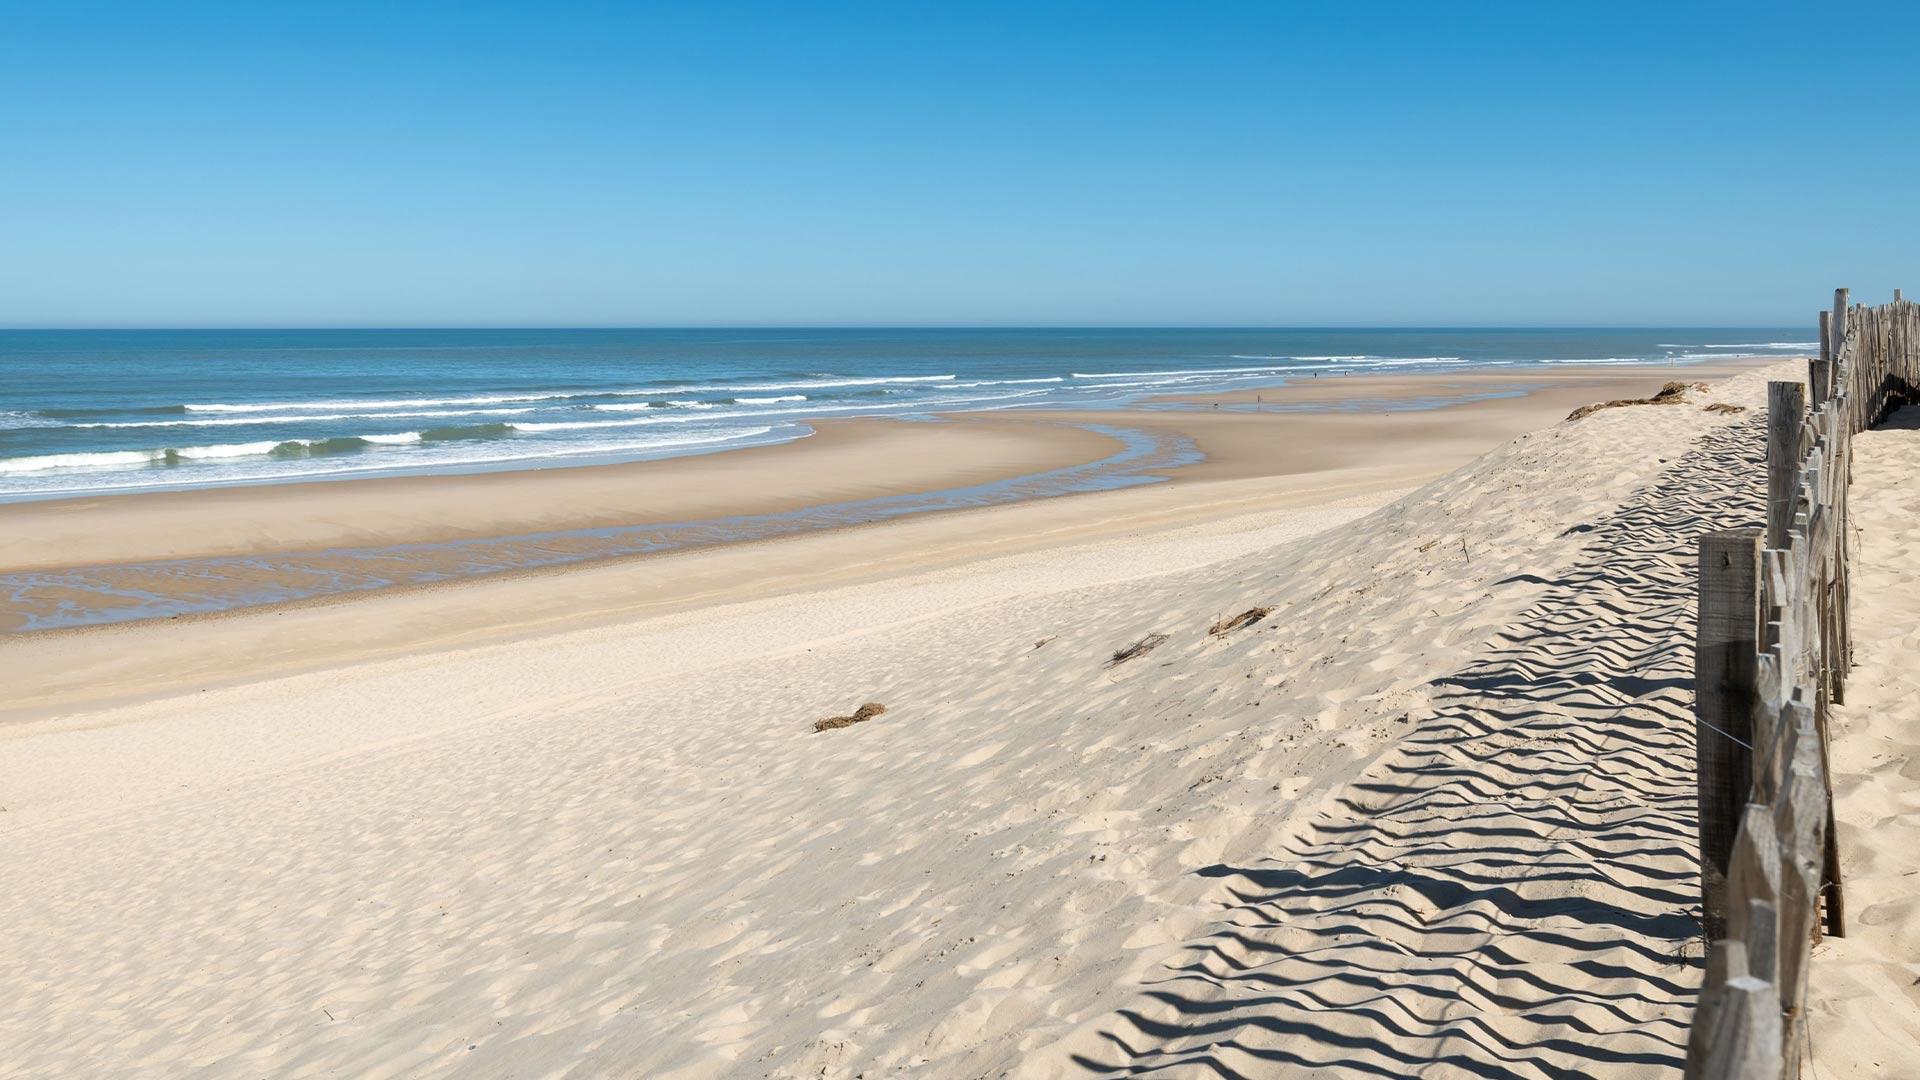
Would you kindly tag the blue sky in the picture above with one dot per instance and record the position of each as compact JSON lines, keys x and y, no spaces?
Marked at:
{"x":961,"y":164}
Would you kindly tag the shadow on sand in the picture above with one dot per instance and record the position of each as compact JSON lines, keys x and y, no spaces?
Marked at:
{"x":1511,"y":891}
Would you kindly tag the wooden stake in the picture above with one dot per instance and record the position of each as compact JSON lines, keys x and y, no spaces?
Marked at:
{"x":1745,"y":1044}
{"x":1786,"y":411}
{"x":1820,"y":369}
{"x":1725,"y":649}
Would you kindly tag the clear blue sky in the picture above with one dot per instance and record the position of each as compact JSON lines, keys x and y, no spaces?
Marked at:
{"x":968,"y":163}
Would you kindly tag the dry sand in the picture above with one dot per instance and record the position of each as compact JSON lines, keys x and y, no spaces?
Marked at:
{"x":1432,"y":814}
{"x":1864,"y":994}
{"x":1324,"y":459}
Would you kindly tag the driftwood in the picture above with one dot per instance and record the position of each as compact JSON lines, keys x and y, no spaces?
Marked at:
{"x":1139,"y":648}
{"x":1673,"y":393}
{"x":1773,"y":651}
{"x":860,"y":716}
{"x":1239,"y":622}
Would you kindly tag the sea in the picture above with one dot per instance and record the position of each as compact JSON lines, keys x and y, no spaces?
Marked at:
{"x":91,"y":412}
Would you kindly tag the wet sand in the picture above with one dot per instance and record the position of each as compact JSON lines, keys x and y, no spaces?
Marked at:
{"x":1256,"y":462}
{"x":844,"y":460}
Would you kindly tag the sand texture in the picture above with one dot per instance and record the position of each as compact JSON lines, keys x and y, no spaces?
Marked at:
{"x":1864,"y":989}
{"x":1432,"y":814}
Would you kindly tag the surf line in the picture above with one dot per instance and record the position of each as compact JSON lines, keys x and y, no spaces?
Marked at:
{"x":42,"y":600}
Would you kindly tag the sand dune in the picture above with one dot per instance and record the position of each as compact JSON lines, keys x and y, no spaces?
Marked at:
{"x":1430,"y":814}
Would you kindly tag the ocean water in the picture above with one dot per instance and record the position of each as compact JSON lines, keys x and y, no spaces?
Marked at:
{"x":34,"y":600}
{"x":93,"y":412}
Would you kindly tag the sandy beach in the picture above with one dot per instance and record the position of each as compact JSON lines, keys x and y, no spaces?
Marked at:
{"x":940,"y":542}
{"x":1864,"y":998}
{"x":1255,"y":462}
{"x":601,"y":836}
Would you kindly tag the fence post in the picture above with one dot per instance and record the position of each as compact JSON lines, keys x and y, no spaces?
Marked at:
{"x":1753,"y":878}
{"x":1725,"y":647}
{"x":1745,"y":1043}
{"x":1820,"y":370}
{"x":1800,"y":822}
{"x":1786,"y":408}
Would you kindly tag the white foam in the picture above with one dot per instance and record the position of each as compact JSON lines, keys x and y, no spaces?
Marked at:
{"x":1751,"y":345}
{"x":303,"y":419}
{"x":121,"y":458}
{"x":105,"y":459}
{"x":661,"y":416}
{"x":16,"y":420}
{"x":376,"y":403}
{"x":1236,"y":356}
{"x":682,"y":440}
{"x":841,"y":382}
{"x":553,"y":395}
{"x":1189,"y":373}
{"x":352,"y":465}
{"x":769,"y":400}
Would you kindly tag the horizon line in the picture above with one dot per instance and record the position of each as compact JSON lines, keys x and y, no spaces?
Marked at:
{"x":503,"y":327}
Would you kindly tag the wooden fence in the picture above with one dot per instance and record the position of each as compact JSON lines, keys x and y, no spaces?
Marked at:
{"x":1772,"y":654}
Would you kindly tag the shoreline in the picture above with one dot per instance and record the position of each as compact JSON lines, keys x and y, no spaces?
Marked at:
{"x":962,"y":448}
{"x":1320,"y":457}
{"x":417,"y":863}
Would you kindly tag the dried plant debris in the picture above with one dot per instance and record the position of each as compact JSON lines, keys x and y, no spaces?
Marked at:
{"x":1239,"y":622}
{"x":1726,"y":407}
{"x":1673,"y":393}
{"x":860,"y":716}
{"x":1139,"y":648}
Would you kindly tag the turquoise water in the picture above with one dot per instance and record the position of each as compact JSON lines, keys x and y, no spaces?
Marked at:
{"x":91,"y":412}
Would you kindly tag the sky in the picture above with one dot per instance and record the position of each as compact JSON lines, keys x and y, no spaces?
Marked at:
{"x":708,"y":164}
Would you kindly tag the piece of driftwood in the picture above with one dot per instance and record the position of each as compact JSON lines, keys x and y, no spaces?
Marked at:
{"x":1139,"y":648}
{"x":1673,"y":393}
{"x":859,"y":716}
{"x":1239,"y":622}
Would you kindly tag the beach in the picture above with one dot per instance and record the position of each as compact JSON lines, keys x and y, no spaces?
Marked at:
{"x":693,"y":542}
{"x":1254,"y":462}
{"x":1864,"y":999}
{"x":579,"y":822}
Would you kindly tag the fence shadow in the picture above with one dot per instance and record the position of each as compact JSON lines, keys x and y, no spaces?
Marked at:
{"x":1512,"y":891}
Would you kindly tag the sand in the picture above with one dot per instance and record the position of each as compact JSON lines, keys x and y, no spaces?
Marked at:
{"x":1319,"y":459}
{"x":843,"y":460}
{"x":1432,"y":812}
{"x":1864,"y":990}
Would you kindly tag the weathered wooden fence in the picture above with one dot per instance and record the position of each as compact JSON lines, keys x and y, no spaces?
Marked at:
{"x":1771,"y":655}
